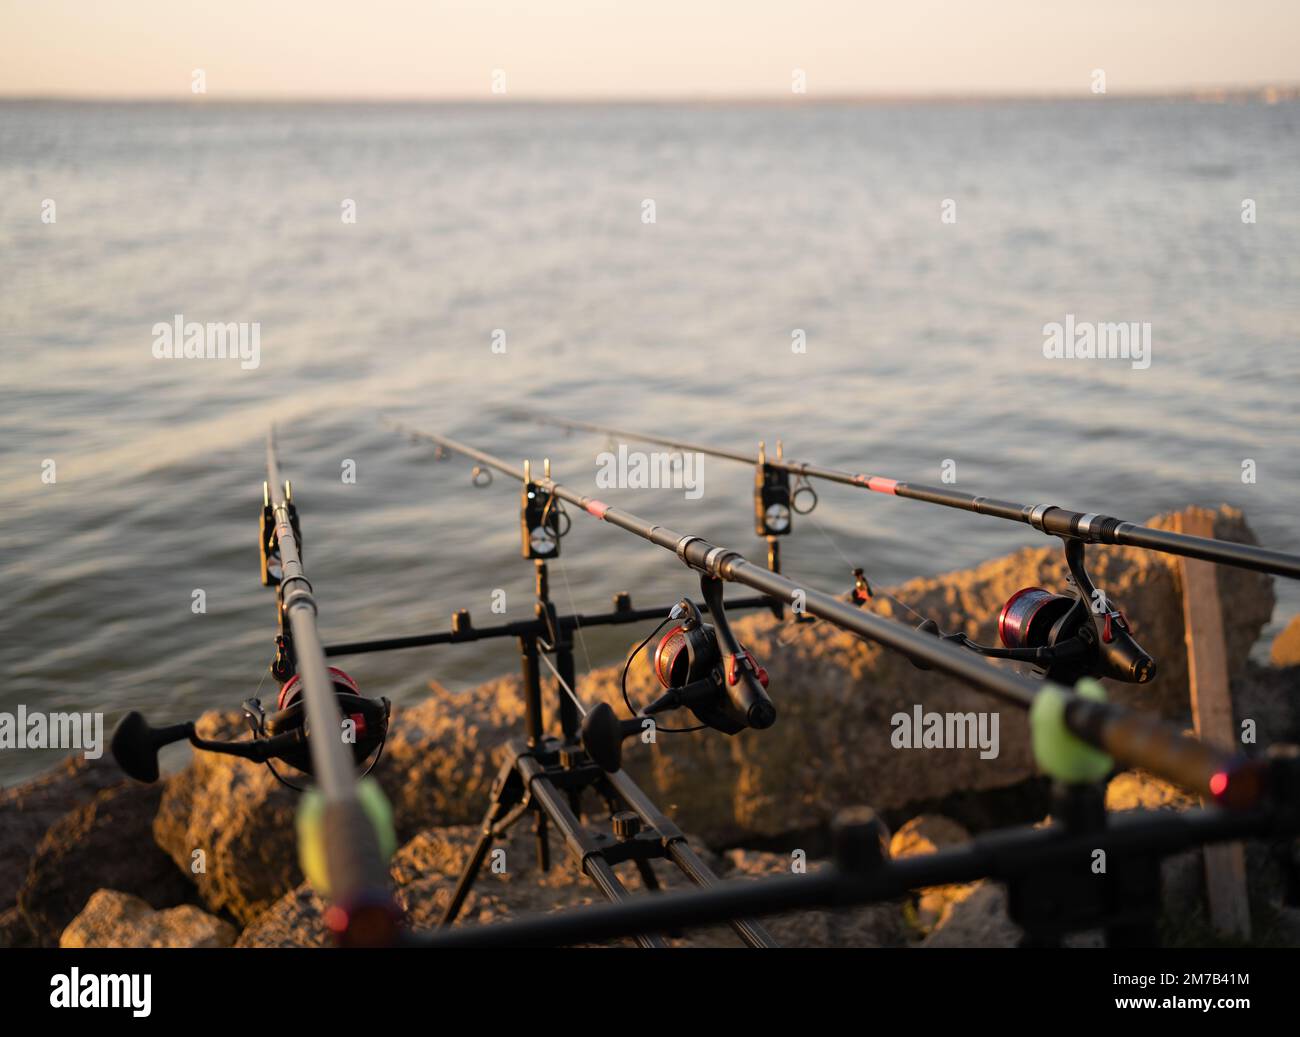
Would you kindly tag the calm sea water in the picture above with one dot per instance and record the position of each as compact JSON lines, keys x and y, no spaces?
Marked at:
{"x":924,"y":343}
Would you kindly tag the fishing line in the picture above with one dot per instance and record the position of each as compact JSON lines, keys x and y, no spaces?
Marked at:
{"x":577,"y":623}
{"x":879,"y":593}
{"x":563,"y":683}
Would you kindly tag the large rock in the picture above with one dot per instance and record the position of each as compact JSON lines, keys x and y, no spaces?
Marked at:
{"x":27,"y":810}
{"x":930,"y":833}
{"x":234,"y":820}
{"x":1138,"y":790}
{"x":968,"y":914}
{"x":14,"y":931}
{"x":976,"y":916}
{"x":106,"y":842}
{"x":1286,"y":646}
{"x":114,"y":919}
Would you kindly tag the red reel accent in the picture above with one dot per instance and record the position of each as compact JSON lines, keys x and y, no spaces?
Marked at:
{"x":733,"y":667}
{"x":667,"y":652}
{"x":290,"y":690}
{"x":1018,"y":613}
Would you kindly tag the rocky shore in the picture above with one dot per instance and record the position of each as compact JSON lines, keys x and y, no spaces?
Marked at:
{"x":207,"y":857}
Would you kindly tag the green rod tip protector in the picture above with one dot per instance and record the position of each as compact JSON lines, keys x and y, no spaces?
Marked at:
{"x":1059,"y":752}
{"x":380,"y":812}
{"x":310,"y":826}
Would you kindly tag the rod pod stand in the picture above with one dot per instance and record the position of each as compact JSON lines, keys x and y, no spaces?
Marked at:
{"x":547,"y":776}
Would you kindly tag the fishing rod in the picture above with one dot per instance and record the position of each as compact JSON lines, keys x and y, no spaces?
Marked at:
{"x":322,"y":726}
{"x":1076,"y":735}
{"x":1087,"y":527}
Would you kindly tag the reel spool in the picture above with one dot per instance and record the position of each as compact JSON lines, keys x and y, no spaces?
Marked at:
{"x":689,"y":655}
{"x":1028,"y":618}
{"x":686,"y":654}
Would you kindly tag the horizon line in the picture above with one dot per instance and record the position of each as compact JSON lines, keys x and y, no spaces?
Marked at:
{"x":1269,"y":92}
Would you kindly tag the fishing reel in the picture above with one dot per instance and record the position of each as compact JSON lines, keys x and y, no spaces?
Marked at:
{"x":1065,"y":637}
{"x":280,"y":735}
{"x":701,"y":667}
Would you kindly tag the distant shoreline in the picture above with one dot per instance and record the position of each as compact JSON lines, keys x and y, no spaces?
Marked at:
{"x":1266,"y":94}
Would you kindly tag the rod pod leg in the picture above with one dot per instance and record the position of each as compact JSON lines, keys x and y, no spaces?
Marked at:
{"x":507,"y":793}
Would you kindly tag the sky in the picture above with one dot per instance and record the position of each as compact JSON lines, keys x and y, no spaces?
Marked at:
{"x":665,"y":49}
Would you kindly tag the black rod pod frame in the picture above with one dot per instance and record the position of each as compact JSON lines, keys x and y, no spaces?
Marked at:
{"x":1066,"y":638}
{"x":545,"y":777}
{"x":1051,"y":888}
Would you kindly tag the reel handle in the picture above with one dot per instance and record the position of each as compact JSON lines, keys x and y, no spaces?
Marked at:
{"x":603,"y":735}
{"x":136,"y":742}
